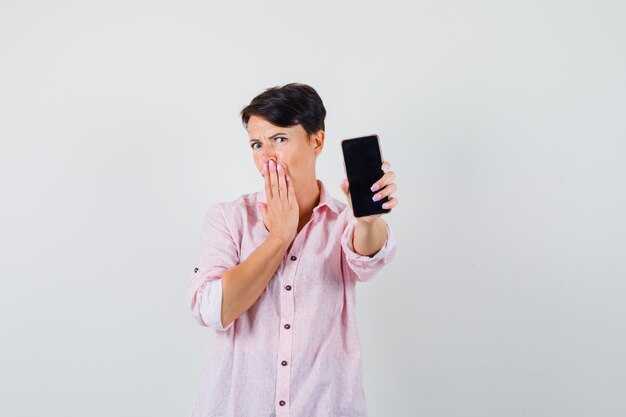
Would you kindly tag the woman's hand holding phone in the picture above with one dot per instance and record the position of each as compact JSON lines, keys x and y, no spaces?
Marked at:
{"x":385,"y":186}
{"x":281,"y":212}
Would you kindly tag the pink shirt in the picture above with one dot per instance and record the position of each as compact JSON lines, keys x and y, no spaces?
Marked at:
{"x":296,"y":351}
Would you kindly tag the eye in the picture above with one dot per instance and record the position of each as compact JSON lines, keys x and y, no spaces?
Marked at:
{"x":281,"y":137}
{"x":255,"y":143}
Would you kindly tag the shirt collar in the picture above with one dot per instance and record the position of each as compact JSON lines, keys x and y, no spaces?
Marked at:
{"x":325,"y":199}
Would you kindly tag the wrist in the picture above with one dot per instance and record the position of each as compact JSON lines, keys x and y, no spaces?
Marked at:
{"x":368,"y":224}
{"x":281,"y":242}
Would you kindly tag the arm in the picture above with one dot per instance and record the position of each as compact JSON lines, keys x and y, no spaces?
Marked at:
{"x":369,"y":238}
{"x":222,"y":288}
{"x":244,"y":284}
{"x":371,"y":232}
{"x":363,"y":267}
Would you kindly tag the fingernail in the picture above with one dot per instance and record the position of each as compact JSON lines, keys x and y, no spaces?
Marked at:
{"x":272,"y":163}
{"x":376,"y":197}
{"x":385,"y":205}
{"x":280,"y":168}
{"x":287,"y":177}
{"x":374,"y":187}
{"x":265,"y":166}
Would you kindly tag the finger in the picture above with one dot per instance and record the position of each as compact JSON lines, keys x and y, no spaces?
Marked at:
{"x":389,"y":188}
{"x":263,"y":207}
{"x":282,"y":186}
{"x":345,"y":186}
{"x":386,"y":166}
{"x":273,"y":179}
{"x":291,"y":194}
{"x":384,"y":180}
{"x":391,"y":203}
{"x":266,"y":179}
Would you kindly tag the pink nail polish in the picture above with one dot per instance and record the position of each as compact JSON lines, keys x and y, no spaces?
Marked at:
{"x":374,"y":188}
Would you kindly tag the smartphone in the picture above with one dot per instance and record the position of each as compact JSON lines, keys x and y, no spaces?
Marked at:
{"x":362,"y":160}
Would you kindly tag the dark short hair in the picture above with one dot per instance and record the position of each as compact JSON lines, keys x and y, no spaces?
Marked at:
{"x":287,"y":106}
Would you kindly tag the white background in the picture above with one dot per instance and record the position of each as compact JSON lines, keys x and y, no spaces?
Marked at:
{"x":504,"y":122}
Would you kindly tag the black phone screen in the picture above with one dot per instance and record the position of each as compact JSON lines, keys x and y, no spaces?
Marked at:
{"x":363,"y":159}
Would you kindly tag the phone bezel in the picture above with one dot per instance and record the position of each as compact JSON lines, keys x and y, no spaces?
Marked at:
{"x":345,"y":170}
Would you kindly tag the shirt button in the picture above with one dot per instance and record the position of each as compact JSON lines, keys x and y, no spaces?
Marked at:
{"x":293,"y":258}
{"x":284,"y":363}
{"x":288,"y":287}
{"x":287,"y":326}
{"x":195,"y":270}
{"x":281,"y":402}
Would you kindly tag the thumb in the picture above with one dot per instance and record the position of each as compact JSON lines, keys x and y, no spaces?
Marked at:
{"x":263,"y":207}
{"x":345,"y":187}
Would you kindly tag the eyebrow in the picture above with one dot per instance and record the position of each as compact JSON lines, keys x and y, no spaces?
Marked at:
{"x":271,"y":137}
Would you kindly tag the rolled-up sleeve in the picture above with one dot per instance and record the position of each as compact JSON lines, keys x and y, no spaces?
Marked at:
{"x":211,"y":305}
{"x":218,"y":253}
{"x":362,"y":267}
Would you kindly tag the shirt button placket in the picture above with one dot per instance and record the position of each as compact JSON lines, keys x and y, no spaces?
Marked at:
{"x":285,"y":341}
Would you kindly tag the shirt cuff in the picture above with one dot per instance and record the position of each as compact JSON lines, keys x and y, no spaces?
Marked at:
{"x":211,"y":305}
{"x":348,"y":236}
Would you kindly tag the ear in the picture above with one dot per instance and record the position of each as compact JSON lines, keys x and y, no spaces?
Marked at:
{"x":317,"y":141}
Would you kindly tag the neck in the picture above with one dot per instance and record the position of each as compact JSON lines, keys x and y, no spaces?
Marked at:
{"x":308,"y":197}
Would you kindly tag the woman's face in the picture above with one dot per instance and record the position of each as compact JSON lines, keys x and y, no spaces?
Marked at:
{"x":285,"y":145}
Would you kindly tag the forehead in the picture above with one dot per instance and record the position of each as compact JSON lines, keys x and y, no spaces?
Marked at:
{"x":259,"y":128}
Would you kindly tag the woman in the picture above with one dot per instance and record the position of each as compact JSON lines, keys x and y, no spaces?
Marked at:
{"x":277,"y":272}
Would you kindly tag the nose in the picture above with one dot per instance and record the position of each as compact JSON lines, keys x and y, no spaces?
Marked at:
{"x":267,"y":157}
